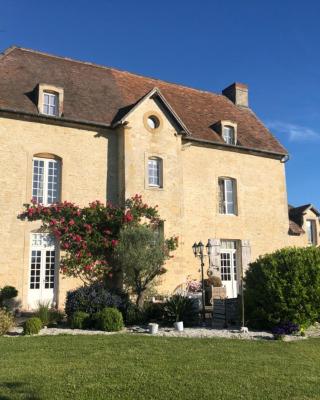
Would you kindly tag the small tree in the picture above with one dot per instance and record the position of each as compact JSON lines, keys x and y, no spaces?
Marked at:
{"x":141,"y":254}
{"x":283,"y":287}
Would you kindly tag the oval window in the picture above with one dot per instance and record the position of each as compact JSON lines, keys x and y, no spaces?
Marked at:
{"x":153,"y":122}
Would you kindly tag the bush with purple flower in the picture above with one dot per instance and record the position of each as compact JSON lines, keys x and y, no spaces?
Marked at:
{"x":285,"y":328}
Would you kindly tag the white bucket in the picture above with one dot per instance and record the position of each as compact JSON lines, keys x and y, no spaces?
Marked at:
{"x":153,"y":329}
{"x":178,"y":326}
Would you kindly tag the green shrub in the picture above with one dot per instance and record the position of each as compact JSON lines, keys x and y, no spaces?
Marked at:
{"x":43,"y":313}
{"x":109,"y":319}
{"x":181,"y":308}
{"x":6,"y":321}
{"x":55,"y":317}
{"x":32,"y":326}
{"x":80,"y":320}
{"x":283,"y":286}
{"x":154,"y":312}
{"x":134,"y":316}
{"x":7,"y":294}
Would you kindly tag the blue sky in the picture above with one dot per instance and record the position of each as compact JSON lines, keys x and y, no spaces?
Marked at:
{"x":272,"y":46}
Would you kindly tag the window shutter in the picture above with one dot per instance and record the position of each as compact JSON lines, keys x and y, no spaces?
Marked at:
{"x":215,"y":263}
{"x":245,"y":255}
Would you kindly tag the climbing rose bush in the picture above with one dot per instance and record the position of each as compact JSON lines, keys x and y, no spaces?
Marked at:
{"x":88,"y":236}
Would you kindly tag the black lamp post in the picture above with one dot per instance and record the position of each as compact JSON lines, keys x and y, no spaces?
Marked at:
{"x":198,"y":251}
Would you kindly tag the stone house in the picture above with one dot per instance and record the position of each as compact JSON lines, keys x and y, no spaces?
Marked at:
{"x":80,"y":132}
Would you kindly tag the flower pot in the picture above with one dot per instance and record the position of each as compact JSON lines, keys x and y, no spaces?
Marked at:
{"x":178,"y":326}
{"x":153,"y":329}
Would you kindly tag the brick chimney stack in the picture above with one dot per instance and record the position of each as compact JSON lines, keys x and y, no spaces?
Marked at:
{"x":237,"y":93}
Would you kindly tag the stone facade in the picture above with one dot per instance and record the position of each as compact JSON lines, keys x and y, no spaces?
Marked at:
{"x":86,"y":156}
{"x":111,"y":164}
{"x":93,"y":168}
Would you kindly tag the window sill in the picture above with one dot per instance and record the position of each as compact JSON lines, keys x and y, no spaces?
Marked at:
{"x":154,"y":188}
{"x":49,"y":115}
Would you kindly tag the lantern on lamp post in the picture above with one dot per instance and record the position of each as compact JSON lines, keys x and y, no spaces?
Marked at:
{"x":198,"y":251}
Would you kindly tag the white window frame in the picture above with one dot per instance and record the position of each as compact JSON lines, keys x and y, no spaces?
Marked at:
{"x":155,"y":180}
{"x":52,"y":107}
{"x":43,"y":269}
{"x":229,"y":268}
{"x":45,"y":277}
{"x":311,"y":231}
{"x":46,"y":189}
{"x":229,"y":206}
{"x":229,"y":134}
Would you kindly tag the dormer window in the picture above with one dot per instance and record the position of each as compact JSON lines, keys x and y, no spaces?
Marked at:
{"x":50,"y":103}
{"x":227,"y":130}
{"x":228,"y":134}
{"x":50,"y":100}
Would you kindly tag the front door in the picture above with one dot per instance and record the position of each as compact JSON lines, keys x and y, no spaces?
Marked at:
{"x":43,"y":271}
{"x":228,"y":260}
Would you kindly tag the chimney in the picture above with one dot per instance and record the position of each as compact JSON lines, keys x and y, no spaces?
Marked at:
{"x":237,"y":93}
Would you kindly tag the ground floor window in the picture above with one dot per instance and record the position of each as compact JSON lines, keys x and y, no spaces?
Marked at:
{"x":43,"y":271}
{"x":228,"y":267}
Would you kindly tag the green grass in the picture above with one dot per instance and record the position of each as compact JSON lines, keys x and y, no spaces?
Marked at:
{"x":139,"y":367}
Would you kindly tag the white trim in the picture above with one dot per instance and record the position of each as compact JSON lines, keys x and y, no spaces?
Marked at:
{"x":45,"y":180}
{"x":42,"y":284}
{"x":148,"y":96}
{"x":51,"y":104}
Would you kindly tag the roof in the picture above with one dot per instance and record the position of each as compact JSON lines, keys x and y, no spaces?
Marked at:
{"x":294,"y":228}
{"x":102,"y":95}
{"x":296,"y":217}
{"x":300,"y":210}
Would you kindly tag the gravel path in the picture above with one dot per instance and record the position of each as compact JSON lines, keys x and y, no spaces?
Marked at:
{"x":198,"y":332}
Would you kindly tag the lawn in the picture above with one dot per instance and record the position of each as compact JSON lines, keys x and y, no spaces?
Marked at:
{"x":140,"y":367}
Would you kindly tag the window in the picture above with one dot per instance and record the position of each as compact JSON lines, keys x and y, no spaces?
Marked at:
{"x":227,"y":196}
{"x":46,"y":180}
{"x":311,"y":231}
{"x":228,"y":134}
{"x":50,"y":103}
{"x":42,"y":262}
{"x":228,"y":267}
{"x":153,"y":122}
{"x":155,"y":172}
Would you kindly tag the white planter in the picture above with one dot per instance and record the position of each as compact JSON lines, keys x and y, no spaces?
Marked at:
{"x":178,"y":326}
{"x":153,"y":329}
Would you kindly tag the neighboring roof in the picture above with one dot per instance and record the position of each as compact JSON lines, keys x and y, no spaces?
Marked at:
{"x":294,"y":228}
{"x":296,"y":217}
{"x":101,"y":95}
{"x":297,"y":211}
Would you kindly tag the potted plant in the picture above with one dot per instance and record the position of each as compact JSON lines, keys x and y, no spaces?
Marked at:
{"x":174,"y":309}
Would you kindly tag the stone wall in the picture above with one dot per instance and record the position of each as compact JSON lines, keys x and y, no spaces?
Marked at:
{"x":85,"y":156}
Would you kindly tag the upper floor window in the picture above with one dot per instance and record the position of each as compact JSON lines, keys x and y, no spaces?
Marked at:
{"x":46,"y":180}
{"x":155,"y":172}
{"x":227,"y":196}
{"x":50,"y":103}
{"x":311,"y":231}
{"x":50,"y":100}
{"x":228,"y":134}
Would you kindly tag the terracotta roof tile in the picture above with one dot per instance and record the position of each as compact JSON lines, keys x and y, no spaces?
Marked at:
{"x":98,"y":94}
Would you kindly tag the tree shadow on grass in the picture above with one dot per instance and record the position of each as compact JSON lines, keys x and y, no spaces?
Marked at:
{"x":16,"y":390}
